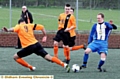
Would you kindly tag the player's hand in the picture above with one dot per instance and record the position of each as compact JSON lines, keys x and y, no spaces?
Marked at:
{"x":66,"y":30}
{"x":5,"y":29}
{"x":44,"y":39}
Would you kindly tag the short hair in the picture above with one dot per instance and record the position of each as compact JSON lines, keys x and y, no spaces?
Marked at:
{"x":72,"y":9}
{"x":67,"y":5}
{"x":24,"y":7}
{"x":20,"y":20}
{"x":111,"y":21}
{"x":102,"y":15}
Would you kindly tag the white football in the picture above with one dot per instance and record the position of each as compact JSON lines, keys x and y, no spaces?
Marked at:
{"x":75,"y":68}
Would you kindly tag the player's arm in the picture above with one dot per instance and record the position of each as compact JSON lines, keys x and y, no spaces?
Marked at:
{"x":73,"y":22}
{"x":44,"y":31}
{"x":8,"y":30}
{"x":59,"y":20}
{"x":60,"y":23}
{"x":109,"y":25}
{"x":114,"y":26}
{"x":45,"y":36}
{"x":28,"y":19}
{"x":90,"y":39}
{"x":68,"y":29}
{"x":41,"y":27}
{"x":14,"y":29}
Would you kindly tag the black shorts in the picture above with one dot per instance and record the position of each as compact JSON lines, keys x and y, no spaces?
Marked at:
{"x":72,"y":41}
{"x":35,"y":48}
{"x":62,"y":36}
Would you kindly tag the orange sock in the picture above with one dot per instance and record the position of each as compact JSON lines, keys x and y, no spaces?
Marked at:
{"x":67,"y":53}
{"x":56,"y":51}
{"x":57,"y":61}
{"x":77,"y":47}
{"x":23,"y":63}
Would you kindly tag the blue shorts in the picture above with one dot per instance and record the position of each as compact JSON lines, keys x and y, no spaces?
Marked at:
{"x":99,"y":46}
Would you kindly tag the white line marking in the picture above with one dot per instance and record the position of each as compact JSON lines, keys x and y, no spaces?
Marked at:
{"x":57,"y":16}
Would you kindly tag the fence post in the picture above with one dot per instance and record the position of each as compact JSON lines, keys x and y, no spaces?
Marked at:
{"x":77,"y":15}
{"x":10,"y":3}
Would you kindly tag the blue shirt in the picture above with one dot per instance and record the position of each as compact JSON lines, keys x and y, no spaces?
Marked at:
{"x":100,"y":31}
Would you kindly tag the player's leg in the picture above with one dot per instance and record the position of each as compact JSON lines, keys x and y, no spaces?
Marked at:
{"x":85,"y":58}
{"x":66,"y":54}
{"x":23,"y":62}
{"x":23,"y":53}
{"x":103,"y":51}
{"x":55,"y":49}
{"x":41,"y":52}
{"x":72,"y":43}
{"x":56,"y":39}
{"x":45,"y":55}
{"x":57,"y":61}
{"x":102,"y":61}
{"x":92,"y":47}
{"x":66,"y":39}
{"x":78,"y":47}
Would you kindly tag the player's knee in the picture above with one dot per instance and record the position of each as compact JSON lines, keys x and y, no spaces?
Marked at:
{"x":48,"y":57}
{"x":15,"y":57}
{"x":55,"y":43}
{"x":70,"y":48}
{"x":103,"y":59}
{"x":103,"y":55}
{"x":65,"y":46}
{"x":88,"y":50}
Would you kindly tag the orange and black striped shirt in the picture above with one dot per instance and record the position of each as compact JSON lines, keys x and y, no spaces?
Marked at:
{"x":26,"y":34}
{"x":71,"y":22}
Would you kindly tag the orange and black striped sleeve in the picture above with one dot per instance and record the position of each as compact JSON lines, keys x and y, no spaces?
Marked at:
{"x":73,"y":21}
{"x":38,"y":27}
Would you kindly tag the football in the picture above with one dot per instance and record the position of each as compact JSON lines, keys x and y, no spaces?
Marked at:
{"x":75,"y":68}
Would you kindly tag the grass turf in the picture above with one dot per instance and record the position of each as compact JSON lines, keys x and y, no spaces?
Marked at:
{"x":9,"y":67}
{"x":49,"y":17}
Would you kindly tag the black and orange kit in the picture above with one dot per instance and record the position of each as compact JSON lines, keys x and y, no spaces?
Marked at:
{"x":66,"y":21}
{"x":29,"y":43}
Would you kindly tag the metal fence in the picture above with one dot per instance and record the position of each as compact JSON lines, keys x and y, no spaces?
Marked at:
{"x":82,"y":4}
{"x":95,"y":4}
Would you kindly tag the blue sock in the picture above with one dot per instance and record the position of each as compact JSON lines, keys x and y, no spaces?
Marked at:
{"x":85,"y":59}
{"x":101,"y":62}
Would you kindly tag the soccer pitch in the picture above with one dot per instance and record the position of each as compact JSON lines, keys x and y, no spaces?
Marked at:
{"x":9,"y":67}
{"x":49,"y":17}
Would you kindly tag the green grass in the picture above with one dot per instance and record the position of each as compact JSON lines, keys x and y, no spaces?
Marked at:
{"x":9,"y":67}
{"x":49,"y":17}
